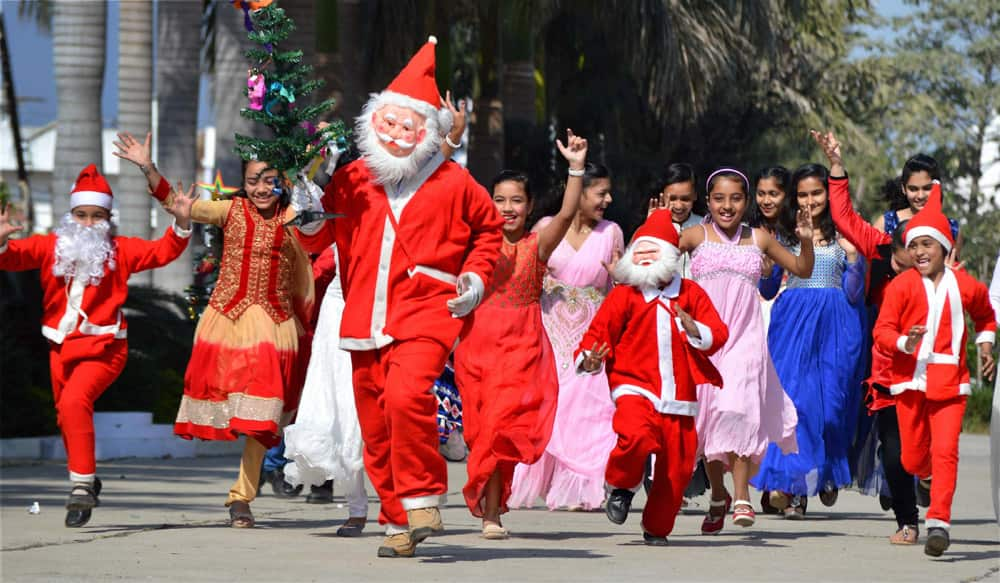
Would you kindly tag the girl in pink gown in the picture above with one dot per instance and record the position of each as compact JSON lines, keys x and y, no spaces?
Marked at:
{"x":570,"y":474}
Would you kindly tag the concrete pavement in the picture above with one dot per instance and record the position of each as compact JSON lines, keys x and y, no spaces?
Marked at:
{"x":163,"y":519}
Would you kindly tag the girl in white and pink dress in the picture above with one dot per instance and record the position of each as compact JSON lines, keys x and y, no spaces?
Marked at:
{"x":570,"y":473}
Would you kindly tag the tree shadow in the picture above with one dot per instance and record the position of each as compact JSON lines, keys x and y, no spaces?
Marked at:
{"x":446,"y":554}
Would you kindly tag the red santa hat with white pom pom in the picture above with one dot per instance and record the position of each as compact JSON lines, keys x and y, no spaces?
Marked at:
{"x":90,"y":188}
{"x":416,"y":88}
{"x":931,"y":222}
{"x":659,"y":229}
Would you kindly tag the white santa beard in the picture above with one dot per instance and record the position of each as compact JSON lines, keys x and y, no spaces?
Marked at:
{"x":82,"y":251}
{"x":646,"y":277}
{"x":389,"y":169}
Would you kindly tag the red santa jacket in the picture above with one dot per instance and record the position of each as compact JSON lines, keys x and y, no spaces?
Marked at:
{"x":76,"y":310}
{"x":938,"y":366}
{"x":401,"y":252}
{"x":650,"y":353}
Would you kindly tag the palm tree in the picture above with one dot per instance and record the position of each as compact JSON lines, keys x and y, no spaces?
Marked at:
{"x":135,"y":97}
{"x":78,"y":58}
{"x":229,"y":90}
{"x":177,"y":77}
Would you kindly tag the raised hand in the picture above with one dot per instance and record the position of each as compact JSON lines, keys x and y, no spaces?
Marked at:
{"x":831,"y":147}
{"x":179,"y":203}
{"x":595,"y":356}
{"x":952,"y":261}
{"x":130,"y":149}
{"x":6,"y":227}
{"x":688,"y":323}
{"x":803,"y":225}
{"x":913,"y":338}
{"x":609,"y":266}
{"x":575,"y":150}
{"x":458,"y":114}
{"x":658,"y":202}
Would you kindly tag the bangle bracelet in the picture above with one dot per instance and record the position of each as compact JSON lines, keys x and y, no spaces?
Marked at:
{"x":577,"y":173}
{"x":447,"y":140}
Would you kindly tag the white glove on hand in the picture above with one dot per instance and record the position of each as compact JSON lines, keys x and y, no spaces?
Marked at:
{"x":470,"y":290}
{"x":332,"y":155}
{"x":305,"y":195}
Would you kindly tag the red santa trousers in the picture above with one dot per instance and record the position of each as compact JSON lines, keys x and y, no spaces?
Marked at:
{"x":79,"y":377}
{"x":642,"y":430}
{"x":928,"y":432}
{"x":398,"y":416}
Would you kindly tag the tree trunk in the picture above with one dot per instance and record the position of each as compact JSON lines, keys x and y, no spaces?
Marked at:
{"x":135,"y":96}
{"x":229,"y":91}
{"x":177,"y":76}
{"x":78,"y":57}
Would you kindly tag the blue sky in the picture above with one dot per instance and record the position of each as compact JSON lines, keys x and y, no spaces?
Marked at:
{"x":31,"y":60}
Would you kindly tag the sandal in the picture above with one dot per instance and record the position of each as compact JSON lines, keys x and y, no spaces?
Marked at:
{"x":240,"y":515}
{"x":78,"y":518}
{"x":796,"y":509}
{"x":494,"y":531}
{"x":743,"y":514}
{"x":906,"y":535}
{"x":714,"y":518}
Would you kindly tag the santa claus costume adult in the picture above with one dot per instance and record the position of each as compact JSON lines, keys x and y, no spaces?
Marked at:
{"x":922,"y":324}
{"x":84,"y":271}
{"x":415,"y":230}
{"x":655,"y":333}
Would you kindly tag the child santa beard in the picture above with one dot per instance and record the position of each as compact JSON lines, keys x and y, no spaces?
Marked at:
{"x":655,"y":334}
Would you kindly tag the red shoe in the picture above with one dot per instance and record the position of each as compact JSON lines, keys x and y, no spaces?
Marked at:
{"x":715,"y":518}
{"x":743,"y":514}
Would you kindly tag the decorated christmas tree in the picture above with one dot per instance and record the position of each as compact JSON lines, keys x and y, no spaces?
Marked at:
{"x":277,"y":85}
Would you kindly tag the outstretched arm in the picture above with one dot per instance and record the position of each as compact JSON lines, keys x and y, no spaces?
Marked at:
{"x":575,"y":152}
{"x":140,"y":155}
{"x":453,"y":140}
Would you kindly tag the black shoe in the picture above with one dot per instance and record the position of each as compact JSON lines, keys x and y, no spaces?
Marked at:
{"x":280,"y":487}
{"x":321,"y":494}
{"x":829,"y":496}
{"x":924,"y":493}
{"x":765,"y":504}
{"x":618,"y":505}
{"x":938,"y":541}
{"x":654,"y":541}
{"x":78,"y":518}
{"x":885,"y":502}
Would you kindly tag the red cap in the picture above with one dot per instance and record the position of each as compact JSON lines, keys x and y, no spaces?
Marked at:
{"x":931,"y":222}
{"x":417,"y":80}
{"x":90,"y":188}
{"x":659,"y":226}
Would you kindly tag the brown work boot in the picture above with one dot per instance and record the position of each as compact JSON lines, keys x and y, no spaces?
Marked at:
{"x":424,"y":522}
{"x":397,"y":545}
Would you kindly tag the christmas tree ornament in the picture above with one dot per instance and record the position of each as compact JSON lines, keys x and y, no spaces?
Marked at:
{"x":256,"y":90}
{"x":217,"y":189}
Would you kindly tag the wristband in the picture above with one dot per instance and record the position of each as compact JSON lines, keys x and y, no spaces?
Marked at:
{"x":447,"y":140}
{"x":577,"y":173}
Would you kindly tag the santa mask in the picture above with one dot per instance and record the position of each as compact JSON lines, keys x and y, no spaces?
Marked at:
{"x":647,"y":264}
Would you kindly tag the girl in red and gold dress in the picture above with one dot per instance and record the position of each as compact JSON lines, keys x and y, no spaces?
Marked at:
{"x":504,"y":366}
{"x":245,"y":373}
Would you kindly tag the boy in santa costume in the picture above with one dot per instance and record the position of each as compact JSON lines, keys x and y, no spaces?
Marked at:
{"x":416,"y":245}
{"x":84,"y":270}
{"x":922,"y":325}
{"x":655,"y":332}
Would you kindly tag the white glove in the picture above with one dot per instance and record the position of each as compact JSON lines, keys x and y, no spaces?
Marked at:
{"x":305,"y":194}
{"x":470,"y":290}
{"x":323,"y":174}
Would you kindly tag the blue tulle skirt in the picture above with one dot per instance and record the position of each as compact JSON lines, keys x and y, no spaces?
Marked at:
{"x":816,"y":340}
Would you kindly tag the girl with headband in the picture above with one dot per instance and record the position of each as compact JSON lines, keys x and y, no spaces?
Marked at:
{"x":735,"y":425}
{"x":815,"y":339}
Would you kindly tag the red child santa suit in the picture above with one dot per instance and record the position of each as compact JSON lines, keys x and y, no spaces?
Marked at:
{"x":653,"y":367}
{"x":931,"y":384}
{"x":82,"y":308}
{"x":414,"y":226}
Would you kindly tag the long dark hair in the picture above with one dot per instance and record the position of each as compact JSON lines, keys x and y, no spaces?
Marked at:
{"x":895,"y":194}
{"x":594,"y":171}
{"x":825,"y":219}
{"x":755,"y":217}
{"x":284,"y":199}
{"x":513,"y":176}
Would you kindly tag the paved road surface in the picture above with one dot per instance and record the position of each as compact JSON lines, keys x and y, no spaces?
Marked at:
{"x":163,"y":519}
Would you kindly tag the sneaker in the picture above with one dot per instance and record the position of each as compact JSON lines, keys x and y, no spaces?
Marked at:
{"x":938,"y":541}
{"x":397,"y":545}
{"x":906,"y":535}
{"x":653,"y":541}
{"x":924,"y":493}
{"x":829,"y":496}
{"x":715,"y":518}
{"x":322,"y":494}
{"x":618,"y":505}
{"x":424,"y":522}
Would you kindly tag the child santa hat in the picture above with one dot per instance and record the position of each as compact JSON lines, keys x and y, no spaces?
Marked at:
{"x":90,"y":188}
{"x":416,"y":88}
{"x":659,"y":229}
{"x":931,"y":222}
